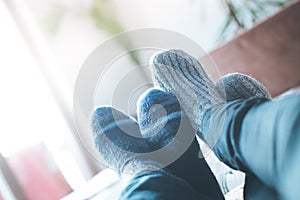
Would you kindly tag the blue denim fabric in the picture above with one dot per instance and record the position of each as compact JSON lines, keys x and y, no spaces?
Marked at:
{"x":262,"y":138}
{"x":159,"y":186}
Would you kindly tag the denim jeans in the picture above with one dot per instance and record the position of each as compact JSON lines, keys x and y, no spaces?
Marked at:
{"x":159,"y":186}
{"x":257,"y":136}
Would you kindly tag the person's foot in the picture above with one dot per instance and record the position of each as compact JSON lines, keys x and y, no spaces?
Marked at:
{"x":183,"y":75}
{"x":240,"y":86}
{"x":119,"y":142}
{"x":165,"y":128}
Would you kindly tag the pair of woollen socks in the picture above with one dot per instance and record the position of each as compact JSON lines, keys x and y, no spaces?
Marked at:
{"x":123,"y":142}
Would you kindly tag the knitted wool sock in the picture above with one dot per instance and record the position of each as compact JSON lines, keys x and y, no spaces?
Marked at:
{"x":182,"y":74}
{"x":240,"y":86}
{"x":119,"y":142}
{"x":163,"y":125}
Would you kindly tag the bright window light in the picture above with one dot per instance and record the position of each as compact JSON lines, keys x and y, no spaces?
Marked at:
{"x":28,"y":111}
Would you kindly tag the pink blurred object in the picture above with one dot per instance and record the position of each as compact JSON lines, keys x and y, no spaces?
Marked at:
{"x":38,"y":175}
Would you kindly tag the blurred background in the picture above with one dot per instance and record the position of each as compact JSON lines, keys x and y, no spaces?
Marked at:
{"x":43,"y":44}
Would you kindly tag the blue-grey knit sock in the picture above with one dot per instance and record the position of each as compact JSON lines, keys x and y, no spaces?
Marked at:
{"x":119,"y":142}
{"x":164,"y":126}
{"x":183,"y":75}
{"x":241,"y":86}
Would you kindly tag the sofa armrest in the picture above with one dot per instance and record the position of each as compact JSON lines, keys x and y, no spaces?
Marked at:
{"x":270,"y":52}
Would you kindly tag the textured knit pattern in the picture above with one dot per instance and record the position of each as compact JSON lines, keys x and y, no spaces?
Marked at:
{"x":183,"y":75}
{"x":241,"y":86}
{"x":119,"y":141}
{"x":159,"y":117}
{"x":161,"y":121}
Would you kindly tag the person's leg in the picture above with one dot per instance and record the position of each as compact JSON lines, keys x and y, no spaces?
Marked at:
{"x":159,"y":186}
{"x":121,"y":146}
{"x":255,"y":189}
{"x":262,"y":137}
{"x":240,"y":86}
{"x":169,"y":133}
{"x":254,"y":135}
